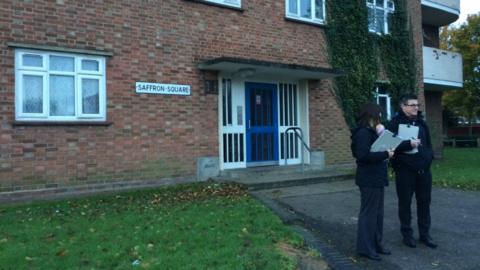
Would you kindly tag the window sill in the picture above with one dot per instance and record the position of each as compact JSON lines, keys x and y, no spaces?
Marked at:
{"x":216,"y":5}
{"x":60,"y":123}
{"x":321,"y":25}
{"x":378,"y":34}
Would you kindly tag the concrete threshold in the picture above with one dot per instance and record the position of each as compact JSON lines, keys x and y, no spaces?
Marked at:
{"x":279,"y":177}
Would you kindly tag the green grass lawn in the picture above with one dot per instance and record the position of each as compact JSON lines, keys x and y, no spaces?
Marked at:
{"x":459,"y":168}
{"x":201,"y":226}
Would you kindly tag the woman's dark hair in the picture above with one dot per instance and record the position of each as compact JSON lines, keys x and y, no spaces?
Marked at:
{"x":368,"y":115}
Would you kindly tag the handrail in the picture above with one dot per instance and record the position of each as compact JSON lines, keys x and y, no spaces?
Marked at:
{"x":300,"y":136}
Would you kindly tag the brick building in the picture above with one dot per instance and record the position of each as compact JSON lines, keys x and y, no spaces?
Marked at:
{"x":110,"y":91}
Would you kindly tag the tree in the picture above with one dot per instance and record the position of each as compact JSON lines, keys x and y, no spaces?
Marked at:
{"x":465,"y":40}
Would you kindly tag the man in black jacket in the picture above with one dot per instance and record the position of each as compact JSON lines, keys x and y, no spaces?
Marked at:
{"x":412,"y":172}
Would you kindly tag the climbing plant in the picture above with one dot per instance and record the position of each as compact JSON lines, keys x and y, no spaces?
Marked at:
{"x":397,"y":54}
{"x":362,"y":55}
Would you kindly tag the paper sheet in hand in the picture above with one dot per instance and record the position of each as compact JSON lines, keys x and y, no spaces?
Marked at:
{"x":386,"y":141}
{"x":408,"y":132}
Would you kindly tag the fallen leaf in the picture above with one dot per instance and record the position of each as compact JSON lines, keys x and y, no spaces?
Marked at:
{"x":61,"y":253}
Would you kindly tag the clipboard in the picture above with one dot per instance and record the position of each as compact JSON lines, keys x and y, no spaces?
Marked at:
{"x":386,"y":141}
{"x":408,"y":132}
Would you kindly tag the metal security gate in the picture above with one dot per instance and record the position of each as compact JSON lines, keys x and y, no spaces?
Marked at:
{"x":288,"y":104}
{"x":262,"y":124}
{"x":232,"y":129}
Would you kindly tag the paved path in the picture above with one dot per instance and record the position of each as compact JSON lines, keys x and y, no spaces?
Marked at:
{"x":334,"y":208}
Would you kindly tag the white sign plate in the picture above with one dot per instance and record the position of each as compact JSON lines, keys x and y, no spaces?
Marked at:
{"x":162,"y":88}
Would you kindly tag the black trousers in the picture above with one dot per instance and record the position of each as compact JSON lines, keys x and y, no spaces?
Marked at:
{"x":370,"y":220}
{"x":408,"y":182}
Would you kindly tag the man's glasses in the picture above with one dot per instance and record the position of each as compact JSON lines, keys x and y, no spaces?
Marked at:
{"x":412,"y":105}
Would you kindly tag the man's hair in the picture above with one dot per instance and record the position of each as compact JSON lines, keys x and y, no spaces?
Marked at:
{"x":368,"y":114}
{"x":405,"y":98}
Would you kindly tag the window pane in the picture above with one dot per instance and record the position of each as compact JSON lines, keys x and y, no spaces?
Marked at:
{"x":380,"y":3}
{"x":90,"y":96}
{"x":32,"y":94}
{"x":62,"y":95}
{"x":91,"y":65}
{"x":370,"y":1}
{"x":292,"y":6}
{"x":62,"y":63}
{"x":390,"y":5}
{"x":383,"y":104}
{"x":371,"y":19}
{"x":389,"y":22}
{"x":32,"y":60}
{"x":305,"y":9}
{"x":319,"y":9}
{"x":379,"y":21}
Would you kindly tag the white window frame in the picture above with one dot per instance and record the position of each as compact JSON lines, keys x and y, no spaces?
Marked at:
{"x":297,"y":16}
{"x":230,"y":3}
{"x":386,"y":10}
{"x":378,"y":95}
{"x":45,"y":73}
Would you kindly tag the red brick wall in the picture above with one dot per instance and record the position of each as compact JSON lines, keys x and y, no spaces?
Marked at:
{"x":434,"y":119}
{"x":415,"y":17}
{"x":151,"y":136}
{"x":329,"y":131}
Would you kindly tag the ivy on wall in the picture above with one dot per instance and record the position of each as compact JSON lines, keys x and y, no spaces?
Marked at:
{"x":397,"y":54}
{"x":362,"y":55}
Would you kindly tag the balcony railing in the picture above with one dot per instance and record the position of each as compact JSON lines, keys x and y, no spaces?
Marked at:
{"x":440,"y":12}
{"x":442,"y":69}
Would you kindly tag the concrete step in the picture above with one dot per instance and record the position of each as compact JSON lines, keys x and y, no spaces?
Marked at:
{"x":285,"y":176}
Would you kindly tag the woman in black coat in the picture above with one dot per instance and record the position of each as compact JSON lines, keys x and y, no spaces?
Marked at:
{"x":371,"y":178}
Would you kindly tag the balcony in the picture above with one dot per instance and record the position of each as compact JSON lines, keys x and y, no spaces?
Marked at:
{"x":442,"y":69}
{"x":440,"y":12}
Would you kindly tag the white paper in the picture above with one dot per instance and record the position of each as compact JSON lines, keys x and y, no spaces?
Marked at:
{"x":386,"y":141}
{"x":408,"y":132}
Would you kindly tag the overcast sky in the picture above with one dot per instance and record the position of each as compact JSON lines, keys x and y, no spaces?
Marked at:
{"x":467,"y":7}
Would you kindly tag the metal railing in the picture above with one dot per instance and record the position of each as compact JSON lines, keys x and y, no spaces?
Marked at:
{"x":298,"y":134}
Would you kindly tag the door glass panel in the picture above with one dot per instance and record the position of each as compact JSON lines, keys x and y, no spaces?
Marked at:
{"x":262,"y":132}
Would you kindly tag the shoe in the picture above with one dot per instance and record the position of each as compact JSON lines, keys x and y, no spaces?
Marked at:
{"x":428,"y":241}
{"x":383,"y":251}
{"x":409,"y":242}
{"x":374,"y":257}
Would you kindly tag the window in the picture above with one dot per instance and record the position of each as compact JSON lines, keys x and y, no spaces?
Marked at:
{"x":231,"y":3}
{"x":383,"y":99}
{"x":52,"y":86}
{"x":306,"y":10}
{"x":379,"y":15}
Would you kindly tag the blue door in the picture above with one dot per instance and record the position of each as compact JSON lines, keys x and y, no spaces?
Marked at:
{"x":262,"y":126}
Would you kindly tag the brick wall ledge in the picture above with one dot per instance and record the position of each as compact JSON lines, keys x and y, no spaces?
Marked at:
{"x":27,"y":196}
{"x":59,"y":49}
{"x":217,"y":4}
{"x":60,"y":123}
